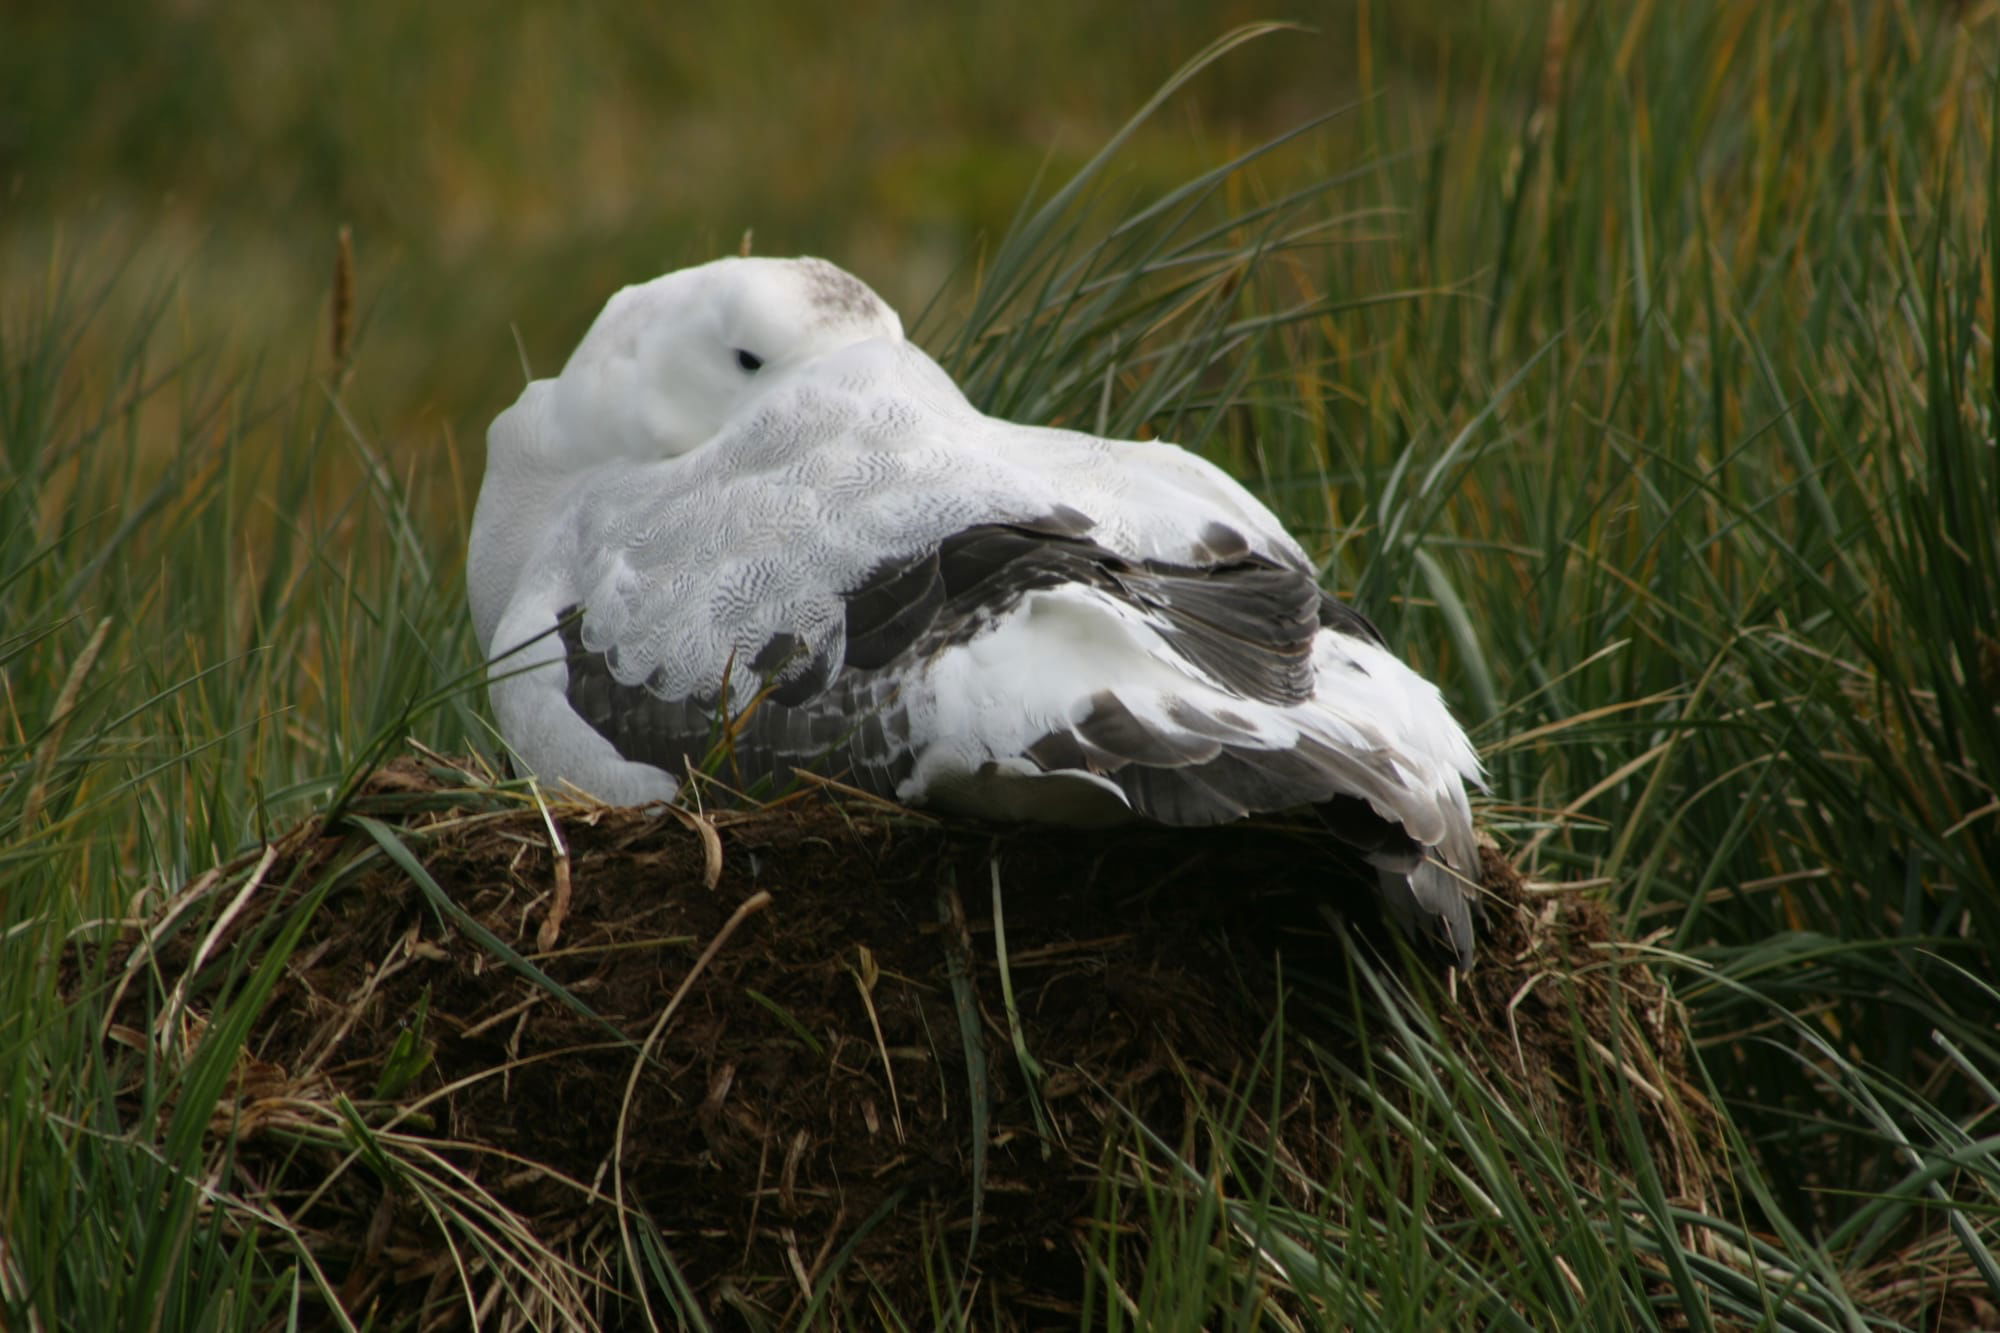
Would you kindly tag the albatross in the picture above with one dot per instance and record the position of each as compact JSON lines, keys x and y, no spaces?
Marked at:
{"x":749,"y":502}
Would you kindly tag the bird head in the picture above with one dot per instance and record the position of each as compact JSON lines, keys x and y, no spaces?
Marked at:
{"x":668,"y":362}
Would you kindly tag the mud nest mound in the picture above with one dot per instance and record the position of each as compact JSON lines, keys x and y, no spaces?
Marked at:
{"x":828,"y":1059}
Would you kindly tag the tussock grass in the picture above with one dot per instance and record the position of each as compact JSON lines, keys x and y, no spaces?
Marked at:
{"x":1634,"y":372}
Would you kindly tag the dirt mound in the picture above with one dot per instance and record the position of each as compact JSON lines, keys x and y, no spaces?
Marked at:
{"x":828,"y":1052}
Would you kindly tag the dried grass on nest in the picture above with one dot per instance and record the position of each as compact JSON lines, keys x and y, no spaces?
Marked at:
{"x":773,"y":1065}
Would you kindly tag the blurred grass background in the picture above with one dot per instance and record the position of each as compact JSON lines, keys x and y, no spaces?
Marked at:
{"x":515,"y":170}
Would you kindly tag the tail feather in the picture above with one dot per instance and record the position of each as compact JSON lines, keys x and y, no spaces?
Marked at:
{"x":1431,"y":900}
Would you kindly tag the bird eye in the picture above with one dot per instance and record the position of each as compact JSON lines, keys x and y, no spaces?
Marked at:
{"x":750,"y":361}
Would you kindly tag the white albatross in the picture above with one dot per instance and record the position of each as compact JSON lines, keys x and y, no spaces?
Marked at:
{"x":746,"y":485}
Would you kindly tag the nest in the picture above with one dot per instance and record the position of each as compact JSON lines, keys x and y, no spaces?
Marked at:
{"x":829,"y":1059}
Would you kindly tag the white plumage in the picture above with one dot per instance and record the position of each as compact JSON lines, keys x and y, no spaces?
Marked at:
{"x":746,"y":493}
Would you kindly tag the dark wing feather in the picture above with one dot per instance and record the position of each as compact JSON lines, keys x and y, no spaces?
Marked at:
{"x":888,"y":612}
{"x":1249,"y":624}
{"x":1338,"y":616}
{"x":851,"y":726}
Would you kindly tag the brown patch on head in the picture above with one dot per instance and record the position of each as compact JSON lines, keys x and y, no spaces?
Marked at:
{"x":838,"y":295}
